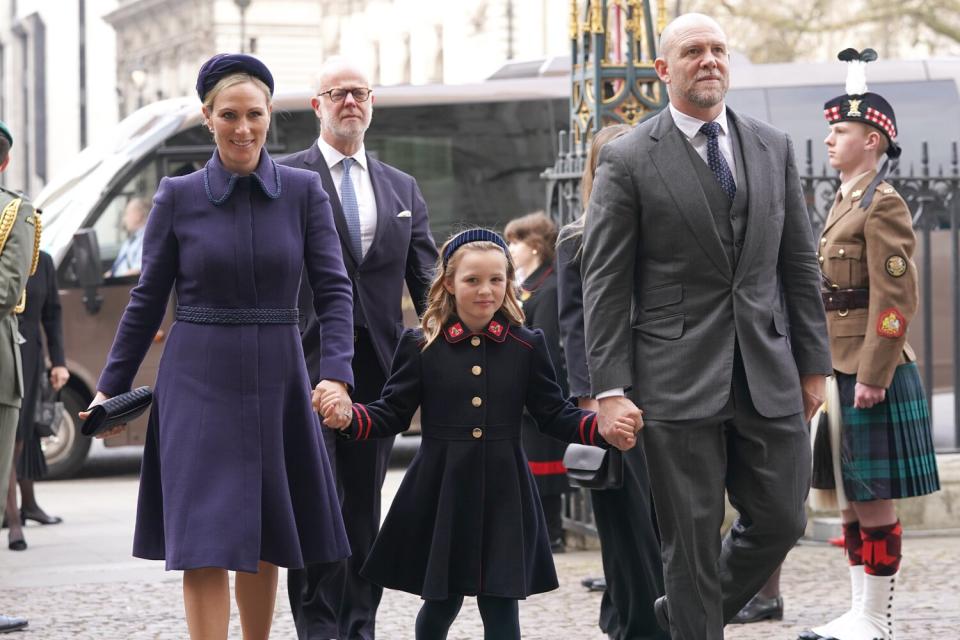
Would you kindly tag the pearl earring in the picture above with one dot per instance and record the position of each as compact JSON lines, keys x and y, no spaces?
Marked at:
{"x":534,"y":252}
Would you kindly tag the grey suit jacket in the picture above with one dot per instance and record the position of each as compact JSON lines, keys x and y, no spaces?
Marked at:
{"x":664,"y":306}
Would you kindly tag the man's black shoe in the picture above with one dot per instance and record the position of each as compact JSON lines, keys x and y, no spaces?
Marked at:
{"x":662,"y":613}
{"x":8,"y":624}
{"x":759,"y":609}
{"x":594,"y":584}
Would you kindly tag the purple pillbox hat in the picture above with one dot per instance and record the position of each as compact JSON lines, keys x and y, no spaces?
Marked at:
{"x":225,"y":64}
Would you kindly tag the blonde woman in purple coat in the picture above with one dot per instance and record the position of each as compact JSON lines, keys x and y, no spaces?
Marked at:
{"x":235,"y":475}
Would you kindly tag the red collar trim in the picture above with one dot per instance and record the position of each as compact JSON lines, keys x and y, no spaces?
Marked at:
{"x":496,"y":330}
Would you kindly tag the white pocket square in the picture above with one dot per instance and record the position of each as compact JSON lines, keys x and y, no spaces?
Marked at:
{"x":404,"y":214}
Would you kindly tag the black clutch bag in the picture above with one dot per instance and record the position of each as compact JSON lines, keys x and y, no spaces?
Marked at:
{"x":117,"y":410}
{"x":593,"y":467}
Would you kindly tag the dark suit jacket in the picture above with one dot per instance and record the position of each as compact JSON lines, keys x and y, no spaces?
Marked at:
{"x":402,"y":249}
{"x":664,"y":306}
{"x":570,"y":307}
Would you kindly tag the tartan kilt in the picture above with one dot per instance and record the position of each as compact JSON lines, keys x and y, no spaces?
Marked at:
{"x":887,"y":450}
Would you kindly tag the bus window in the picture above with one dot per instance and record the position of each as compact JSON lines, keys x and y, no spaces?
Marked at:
{"x":476,"y":163}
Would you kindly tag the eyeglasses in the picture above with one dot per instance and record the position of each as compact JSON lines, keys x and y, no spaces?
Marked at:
{"x":360,"y":94}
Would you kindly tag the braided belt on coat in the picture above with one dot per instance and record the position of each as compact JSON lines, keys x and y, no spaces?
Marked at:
{"x":208,"y":315}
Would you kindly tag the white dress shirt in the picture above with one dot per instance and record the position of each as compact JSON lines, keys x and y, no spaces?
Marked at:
{"x":690,"y":127}
{"x":362,"y":186}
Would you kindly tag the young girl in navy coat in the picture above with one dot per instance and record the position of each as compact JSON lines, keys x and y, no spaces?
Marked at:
{"x":466,"y":519}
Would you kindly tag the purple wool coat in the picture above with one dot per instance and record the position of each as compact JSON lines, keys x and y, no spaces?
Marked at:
{"x":234,"y":469}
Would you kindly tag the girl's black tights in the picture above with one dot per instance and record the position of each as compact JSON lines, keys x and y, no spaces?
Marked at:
{"x":501,"y":620}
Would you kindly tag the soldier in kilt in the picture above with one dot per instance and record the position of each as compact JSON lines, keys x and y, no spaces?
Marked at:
{"x":871,"y":296}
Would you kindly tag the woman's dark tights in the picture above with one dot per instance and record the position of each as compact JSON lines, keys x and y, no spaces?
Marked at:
{"x":501,"y":620}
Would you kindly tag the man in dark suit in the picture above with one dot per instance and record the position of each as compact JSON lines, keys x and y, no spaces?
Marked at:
{"x":385,"y":236}
{"x":698,"y":254}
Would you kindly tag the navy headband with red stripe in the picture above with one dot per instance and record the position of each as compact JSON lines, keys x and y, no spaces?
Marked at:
{"x":473,"y":235}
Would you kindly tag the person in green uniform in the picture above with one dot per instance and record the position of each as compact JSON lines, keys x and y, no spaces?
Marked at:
{"x":19,"y":230}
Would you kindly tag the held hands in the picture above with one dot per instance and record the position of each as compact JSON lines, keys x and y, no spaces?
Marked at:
{"x":100,"y":398}
{"x":620,"y":420}
{"x":59,"y":377}
{"x":865,"y":395}
{"x":814,"y":388}
{"x":588,"y":403}
{"x":332,"y":402}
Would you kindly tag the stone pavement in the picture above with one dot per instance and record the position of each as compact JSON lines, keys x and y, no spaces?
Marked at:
{"x":78,"y":581}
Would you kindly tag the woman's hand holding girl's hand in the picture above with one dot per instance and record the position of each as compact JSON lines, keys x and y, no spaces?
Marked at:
{"x":331,"y":400}
{"x":624,"y":434}
{"x":100,"y":398}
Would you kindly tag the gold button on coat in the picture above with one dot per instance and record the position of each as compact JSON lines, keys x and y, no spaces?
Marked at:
{"x":823,"y":241}
{"x":477,"y":432}
{"x":821,"y":259}
{"x":842,"y":252}
{"x":476,"y":370}
{"x":475,"y":341}
{"x":476,"y":401}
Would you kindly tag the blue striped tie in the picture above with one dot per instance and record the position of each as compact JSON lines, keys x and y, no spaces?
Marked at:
{"x":718,"y":164}
{"x":351,"y":209}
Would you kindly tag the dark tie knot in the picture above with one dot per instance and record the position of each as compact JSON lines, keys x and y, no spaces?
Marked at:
{"x":710,"y":129}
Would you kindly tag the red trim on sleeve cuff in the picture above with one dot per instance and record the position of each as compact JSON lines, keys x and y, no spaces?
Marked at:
{"x":552,"y":468}
{"x":583,"y":421}
{"x":359,"y":419}
{"x":366,"y":435}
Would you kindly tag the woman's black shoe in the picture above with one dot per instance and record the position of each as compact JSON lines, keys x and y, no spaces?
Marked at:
{"x":17,"y":545}
{"x":39,"y":517}
{"x":760,"y":609}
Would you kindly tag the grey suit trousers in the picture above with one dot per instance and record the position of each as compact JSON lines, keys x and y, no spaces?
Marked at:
{"x":9,"y":417}
{"x":764,"y":465}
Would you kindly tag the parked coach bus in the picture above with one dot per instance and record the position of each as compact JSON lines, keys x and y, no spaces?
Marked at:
{"x":476,"y":150}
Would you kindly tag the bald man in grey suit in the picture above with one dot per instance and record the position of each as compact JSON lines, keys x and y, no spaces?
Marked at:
{"x":701,"y":291}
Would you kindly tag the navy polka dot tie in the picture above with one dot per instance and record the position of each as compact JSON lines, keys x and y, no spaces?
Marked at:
{"x":351,"y":208}
{"x":718,"y":164}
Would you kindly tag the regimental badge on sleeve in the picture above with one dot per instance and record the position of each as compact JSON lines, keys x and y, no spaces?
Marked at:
{"x":891,"y":323}
{"x":896,"y":265}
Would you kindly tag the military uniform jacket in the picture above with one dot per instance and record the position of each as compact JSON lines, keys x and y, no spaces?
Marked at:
{"x":18,"y":231}
{"x":467,"y":518}
{"x":871,"y":249}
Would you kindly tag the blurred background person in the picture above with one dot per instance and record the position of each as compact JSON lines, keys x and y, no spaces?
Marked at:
{"x":43,"y":309}
{"x":532,"y":239}
{"x":134,"y":222}
{"x":629,"y":542}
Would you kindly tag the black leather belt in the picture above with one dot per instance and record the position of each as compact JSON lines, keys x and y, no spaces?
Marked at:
{"x":209,"y":315}
{"x":468,"y":433}
{"x":846,"y":299}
